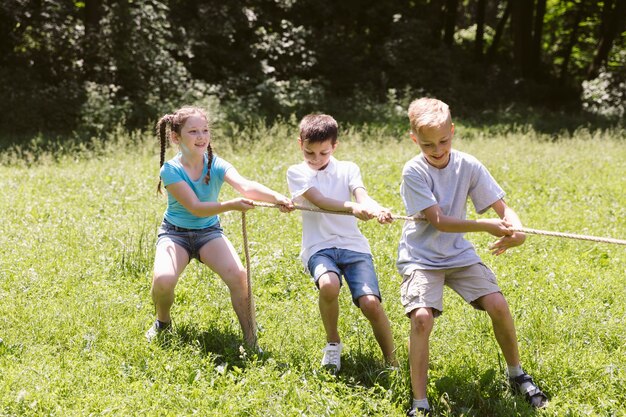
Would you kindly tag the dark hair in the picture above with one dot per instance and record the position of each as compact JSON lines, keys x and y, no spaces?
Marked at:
{"x":318,"y":128}
{"x":175,"y":122}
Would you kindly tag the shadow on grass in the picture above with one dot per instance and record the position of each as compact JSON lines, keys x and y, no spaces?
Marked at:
{"x":369,"y":371}
{"x":366,"y":370}
{"x":487,"y":396}
{"x":217,"y":342}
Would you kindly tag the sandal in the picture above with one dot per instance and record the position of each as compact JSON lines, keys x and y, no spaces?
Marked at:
{"x":532,"y":393}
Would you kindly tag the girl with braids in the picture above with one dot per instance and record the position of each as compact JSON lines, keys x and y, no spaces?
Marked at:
{"x":191,"y":227}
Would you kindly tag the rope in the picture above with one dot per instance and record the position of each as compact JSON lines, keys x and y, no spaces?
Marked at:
{"x":570,"y":236}
{"x":345,"y":213}
{"x":251,"y":326}
{"x":416,"y":218}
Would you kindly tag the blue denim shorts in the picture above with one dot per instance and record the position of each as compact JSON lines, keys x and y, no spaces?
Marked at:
{"x":357,"y":269}
{"x":190,"y":239}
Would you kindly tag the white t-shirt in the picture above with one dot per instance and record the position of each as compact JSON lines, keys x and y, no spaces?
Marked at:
{"x":421,"y":245}
{"x":322,"y":230}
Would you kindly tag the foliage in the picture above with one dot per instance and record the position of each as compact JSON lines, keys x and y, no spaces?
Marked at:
{"x":81,"y":68}
{"x":40,"y":82}
{"x":606,"y":94}
{"x":76,"y":248}
{"x":70,"y":78}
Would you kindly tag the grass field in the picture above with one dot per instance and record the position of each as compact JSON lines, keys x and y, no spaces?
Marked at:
{"x":77,"y":240}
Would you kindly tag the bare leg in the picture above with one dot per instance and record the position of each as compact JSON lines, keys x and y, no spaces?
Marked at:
{"x":422,"y":322}
{"x":373,"y":311}
{"x":170,"y":261}
{"x":329,"y":305}
{"x":220,"y":256}
{"x":503,"y":327}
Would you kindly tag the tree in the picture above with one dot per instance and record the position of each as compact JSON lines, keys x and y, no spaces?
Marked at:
{"x":573,"y":38}
{"x":521,"y":19}
{"x":40,"y":77}
{"x":499,"y":30}
{"x":480,"y":28}
{"x":451,"y":9}
{"x":613,"y":20}
{"x":537,"y":37}
{"x":93,"y":12}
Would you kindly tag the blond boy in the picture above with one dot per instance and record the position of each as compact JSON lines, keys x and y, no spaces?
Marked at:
{"x":436,"y":184}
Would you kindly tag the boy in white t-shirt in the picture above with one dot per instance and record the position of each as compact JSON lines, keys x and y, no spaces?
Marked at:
{"x":436,"y":184}
{"x":332,"y":244}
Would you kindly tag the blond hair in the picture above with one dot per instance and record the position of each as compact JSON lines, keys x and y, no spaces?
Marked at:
{"x":428,"y":112}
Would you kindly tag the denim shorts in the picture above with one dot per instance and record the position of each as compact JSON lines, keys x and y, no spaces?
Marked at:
{"x":357,"y":269}
{"x":192,"y":240}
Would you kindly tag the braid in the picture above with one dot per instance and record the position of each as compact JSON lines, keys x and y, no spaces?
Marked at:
{"x":175,"y":123}
{"x":162,"y":134}
{"x":209,"y":152}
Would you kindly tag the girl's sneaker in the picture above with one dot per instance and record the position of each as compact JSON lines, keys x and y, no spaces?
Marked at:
{"x":418,"y":412}
{"x":156,"y":329}
{"x":332,"y":357}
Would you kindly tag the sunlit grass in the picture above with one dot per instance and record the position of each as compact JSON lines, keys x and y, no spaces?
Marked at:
{"x":76,"y":247}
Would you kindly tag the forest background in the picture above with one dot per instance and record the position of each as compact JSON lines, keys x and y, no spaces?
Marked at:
{"x":77,"y":69}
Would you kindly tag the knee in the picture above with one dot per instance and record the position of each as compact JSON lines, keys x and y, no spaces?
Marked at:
{"x":495,"y":305}
{"x":370,"y":305}
{"x":163,"y":284}
{"x":422,"y":320}
{"x":329,"y":289}
{"x":237,"y":280}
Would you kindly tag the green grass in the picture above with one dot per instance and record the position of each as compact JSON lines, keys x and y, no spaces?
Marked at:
{"x":76,"y":246}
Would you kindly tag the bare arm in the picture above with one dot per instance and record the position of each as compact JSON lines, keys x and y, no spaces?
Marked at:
{"x":183,"y":193}
{"x":507,"y":214}
{"x":450,"y":224}
{"x":255,"y":191}
{"x":376,"y":210}
{"x":326,"y":203}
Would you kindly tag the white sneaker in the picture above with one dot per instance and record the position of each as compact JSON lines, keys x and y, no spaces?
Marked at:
{"x":332,"y":356}
{"x":154,"y":331}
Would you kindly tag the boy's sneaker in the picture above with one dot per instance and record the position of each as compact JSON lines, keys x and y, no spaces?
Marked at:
{"x":418,"y":412}
{"x":332,"y":356}
{"x":156,"y":329}
{"x":524,"y":385}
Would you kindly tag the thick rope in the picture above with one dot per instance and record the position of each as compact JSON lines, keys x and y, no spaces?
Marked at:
{"x":415,"y":219}
{"x":570,"y":236}
{"x":345,"y":213}
{"x":251,"y":326}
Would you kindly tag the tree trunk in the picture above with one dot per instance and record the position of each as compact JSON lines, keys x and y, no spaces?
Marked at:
{"x":437,"y":11}
{"x":491,"y":53}
{"x":573,"y":38}
{"x":613,"y":20}
{"x":537,"y":35}
{"x":450,"y":21}
{"x":521,"y":19}
{"x":92,"y":15}
{"x":480,"y":29}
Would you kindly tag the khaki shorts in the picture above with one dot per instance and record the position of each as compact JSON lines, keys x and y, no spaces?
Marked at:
{"x":424,"y":288}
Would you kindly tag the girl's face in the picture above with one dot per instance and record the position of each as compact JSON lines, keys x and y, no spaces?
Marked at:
{"x":317,"y":154}
{"x":194,"y":135}
{"x":435,"y":143}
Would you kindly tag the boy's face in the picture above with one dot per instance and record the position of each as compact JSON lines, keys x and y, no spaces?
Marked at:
{"x":317,"y":154}
{"x":435,"y":143}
